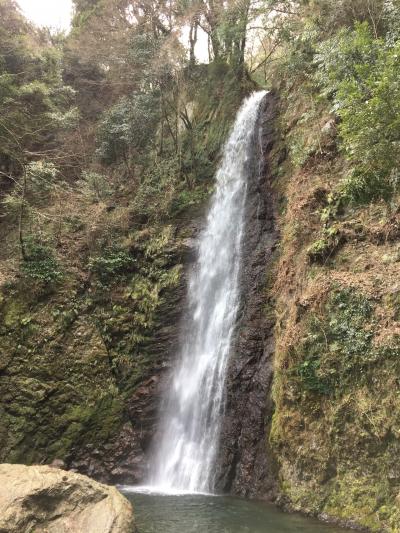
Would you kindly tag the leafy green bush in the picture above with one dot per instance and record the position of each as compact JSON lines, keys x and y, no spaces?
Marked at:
{"x":95,"y":186}
{"x":324,"y":247}
{"x":362,"y":75}
{"x":158,"y":188}
{"x":128,"y":127}
{"x":40,"y":263}
{"x":41,"y":175}
{"x":113,"y":262}
{"x":31,"y":188}
{"x":332,"y":15}
{"x":12,"y":204}
{"x":188,"y":198}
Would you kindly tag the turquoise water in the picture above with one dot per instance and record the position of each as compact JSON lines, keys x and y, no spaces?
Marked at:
{"x":216,"y":514}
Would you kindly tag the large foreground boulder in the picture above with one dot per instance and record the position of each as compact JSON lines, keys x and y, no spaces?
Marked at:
{"x":42,"y":499}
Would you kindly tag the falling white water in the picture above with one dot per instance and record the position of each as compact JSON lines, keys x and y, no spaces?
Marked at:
{"x":190,"y":428}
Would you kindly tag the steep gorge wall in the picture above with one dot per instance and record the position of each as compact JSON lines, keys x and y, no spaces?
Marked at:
{"x":124,"y":459}
{"x":335,"y":429}
{"x":62,"y":397}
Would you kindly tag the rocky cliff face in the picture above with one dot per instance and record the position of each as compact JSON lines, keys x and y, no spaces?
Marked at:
{"x":335,"y":425}
{"x":80,"y":370}
{"x":124,"y":458}
{"x":245,"y":466}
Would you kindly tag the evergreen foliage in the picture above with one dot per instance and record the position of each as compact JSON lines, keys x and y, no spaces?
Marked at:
{"x":128,"y":127}
{"x":338,"y":348}
{"x":112,"y":262}
{"x":40,"y":263}
{"x":346,"y":54}
{"x":361,"y":75}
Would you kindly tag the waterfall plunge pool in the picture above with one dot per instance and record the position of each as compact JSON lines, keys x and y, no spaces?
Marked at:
{"x":201,"y":513}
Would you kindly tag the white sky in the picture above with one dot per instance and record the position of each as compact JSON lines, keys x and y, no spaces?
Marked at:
{"x":53,"y":13}
{"x":57,"y":14}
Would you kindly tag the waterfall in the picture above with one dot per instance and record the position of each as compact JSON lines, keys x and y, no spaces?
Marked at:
{"x":190,"y":426}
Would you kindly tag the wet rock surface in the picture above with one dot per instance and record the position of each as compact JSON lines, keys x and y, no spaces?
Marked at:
{"x":245,"y":467}
{"x":124,"y":459}
{"x":45,"y":499}
{"x":119,"y":461}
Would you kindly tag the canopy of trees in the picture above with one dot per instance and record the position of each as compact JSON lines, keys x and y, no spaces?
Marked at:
{"x":115,"y":91}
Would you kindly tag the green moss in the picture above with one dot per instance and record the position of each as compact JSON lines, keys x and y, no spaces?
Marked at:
{"x":13,"y":311}
{"x":343,"y":440}
{"x":357,"y":498}
{"x":56,"y":385}
{"x":302,"y":497}
{"x":93,"y":423}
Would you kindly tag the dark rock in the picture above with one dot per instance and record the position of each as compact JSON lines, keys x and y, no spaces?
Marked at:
{"x":120,"y":461}
{"x":246,"y":465}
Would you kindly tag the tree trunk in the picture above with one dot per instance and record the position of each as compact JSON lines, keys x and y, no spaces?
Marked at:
{"x":193,"y":41}
{"x":21,"y":217}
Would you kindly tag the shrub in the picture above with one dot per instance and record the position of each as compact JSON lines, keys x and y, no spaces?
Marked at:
{"x":114,"y":261}
{"x":188,"y":198}
{"x":127,"y":127}
{"x":12,"y":204}
{"x":157,"y":191}
{"x":95,"y":186}
{"x":334,"y":14}
{"x":40,"y":263}
{"x":361,"y":74}
{"x":41,"y":175}
{"x":326,"y":246}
